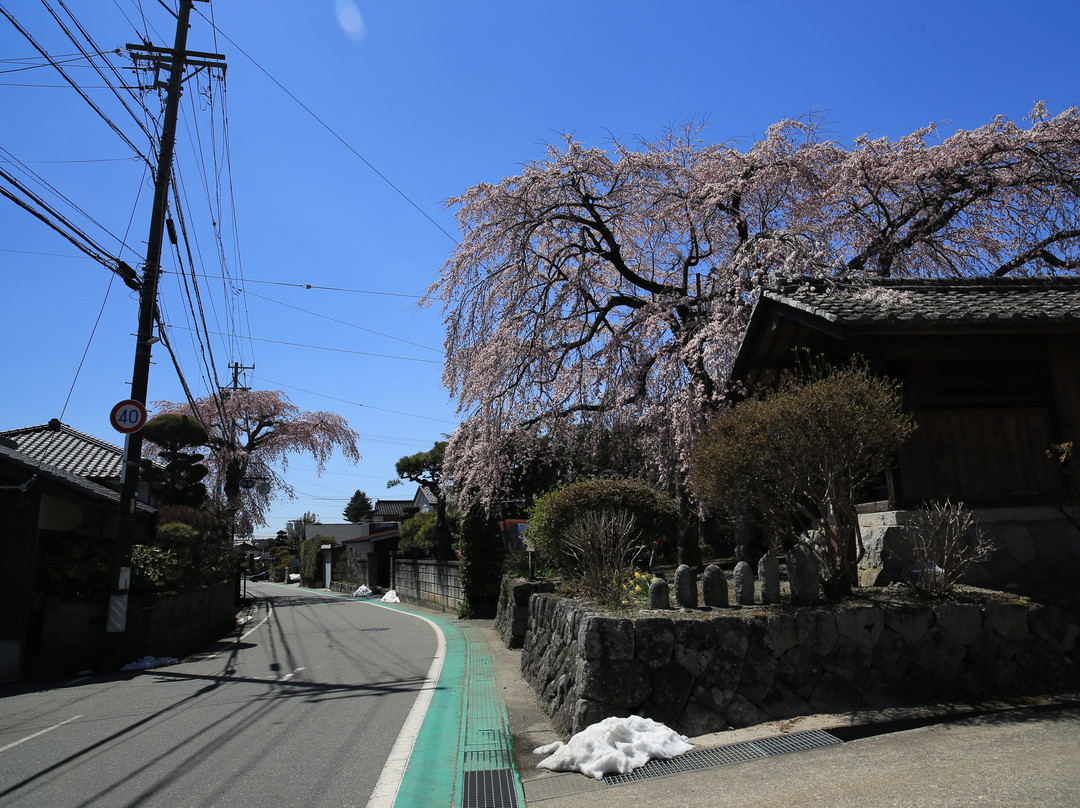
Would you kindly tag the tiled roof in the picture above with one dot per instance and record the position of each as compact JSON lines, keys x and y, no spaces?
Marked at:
{"x":62,"y":447}
{"x":64,"y":478}
{"x":952,"y":301}
{"x":390,"y":510}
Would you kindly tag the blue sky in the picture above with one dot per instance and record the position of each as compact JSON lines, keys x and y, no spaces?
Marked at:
{"x":430,"y":98}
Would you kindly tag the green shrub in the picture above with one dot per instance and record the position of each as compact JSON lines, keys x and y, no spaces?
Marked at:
{"x":797,"y":459}
{"x":605,"y":546}
{"x":481,"y":562}
{"x":655,"y":515}
{"x":418,"y":535}
{"x":155,"y":570}
{"x":311,"y":571}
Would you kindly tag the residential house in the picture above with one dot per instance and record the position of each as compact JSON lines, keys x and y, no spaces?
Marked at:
{"x":51,"y":516}
{"x":990,"y":370}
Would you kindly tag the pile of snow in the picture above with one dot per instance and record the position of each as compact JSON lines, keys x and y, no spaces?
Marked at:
{"x":362,"y":592}
{"x":614,"y":746}
{"x":391,"y":597}
{"x":149,"y":662}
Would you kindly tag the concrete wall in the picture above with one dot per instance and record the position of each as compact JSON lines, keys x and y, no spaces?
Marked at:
{"x":427,"y":582}
{"x":73,"y":631}
{"x":701,"y":673}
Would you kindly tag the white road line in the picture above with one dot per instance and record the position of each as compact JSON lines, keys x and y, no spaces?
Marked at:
{"x":386,"y":789}
{"x":253,"y":629}
{"x":36,"y":734}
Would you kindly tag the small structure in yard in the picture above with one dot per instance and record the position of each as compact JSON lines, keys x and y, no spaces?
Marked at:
{"x":990,"y":369}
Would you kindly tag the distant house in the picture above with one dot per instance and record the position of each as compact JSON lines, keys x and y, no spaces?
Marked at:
{"x":363,"y":551}
{"x":425,"y":500}
{"x":990,"y":369}
{"x":46,"y":511}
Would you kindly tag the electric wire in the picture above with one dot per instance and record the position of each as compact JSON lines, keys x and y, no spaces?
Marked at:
{"x":343,"y":322}
{"x":329,"y":129}
{"x":99,"y":52}
{"x":355,"y":403}
{"x":74,"y":85}
{"x":331,"y":348}
{"x":101,"y":311}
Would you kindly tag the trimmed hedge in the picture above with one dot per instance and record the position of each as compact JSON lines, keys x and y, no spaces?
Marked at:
{"x":655,"y":514}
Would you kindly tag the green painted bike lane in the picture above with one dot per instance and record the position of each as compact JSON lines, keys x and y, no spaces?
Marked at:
{"x":463,"y":756}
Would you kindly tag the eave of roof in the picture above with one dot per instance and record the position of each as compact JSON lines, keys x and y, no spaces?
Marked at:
{"x":65,"y":479}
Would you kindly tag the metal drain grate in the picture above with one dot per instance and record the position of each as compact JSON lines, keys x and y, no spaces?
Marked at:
{"x":723,"y":755}
{"x":489,"y":789}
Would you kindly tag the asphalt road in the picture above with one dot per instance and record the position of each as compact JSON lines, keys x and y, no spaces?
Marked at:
{"x":303,"y":710}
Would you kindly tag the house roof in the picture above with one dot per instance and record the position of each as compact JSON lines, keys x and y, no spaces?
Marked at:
{"x":49,"y":476}
{"x":390,"y":510}
{"x":67,"y":449}
{"x":945,"y":301}
{"x":813,"y":313}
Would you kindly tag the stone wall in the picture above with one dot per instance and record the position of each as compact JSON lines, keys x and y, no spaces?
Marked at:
{"x":1033,"y":545}
{"x":512,"y":617}
{"x":702,"y":673}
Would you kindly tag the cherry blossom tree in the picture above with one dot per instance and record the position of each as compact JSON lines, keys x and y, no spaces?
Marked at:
{"x":252,"y":433}
{"x":606,"y":290}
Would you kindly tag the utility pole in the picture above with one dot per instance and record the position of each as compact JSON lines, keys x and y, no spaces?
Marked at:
{"x":236,"y":367}
{"x":178,"y":58}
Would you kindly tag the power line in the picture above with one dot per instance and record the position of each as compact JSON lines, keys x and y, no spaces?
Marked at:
{"x":325,"y":348}
{"x":344,"y":322}
{"x":74,"y":85}
{"x":357,"y":403}
{"x":328,"y":128}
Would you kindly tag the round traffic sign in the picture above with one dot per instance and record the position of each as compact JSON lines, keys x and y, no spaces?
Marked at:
{"x":128,"y":416}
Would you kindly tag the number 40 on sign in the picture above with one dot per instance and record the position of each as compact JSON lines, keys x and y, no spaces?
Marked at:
{"x":128,"y":416}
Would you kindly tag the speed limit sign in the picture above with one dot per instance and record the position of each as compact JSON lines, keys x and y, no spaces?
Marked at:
{"x":128,"y":416}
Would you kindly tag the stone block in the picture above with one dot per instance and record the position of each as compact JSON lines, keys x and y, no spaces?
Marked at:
{"x":732,"y":636}
{"x":606,"y":637}
{"x":910,"y":622}
{"x":742,"y":712}
{"x":798,"y":671}
{"x":758,"y":674}
{"x":671,"y":686}
{"x":817,"y":631}
{"x":1009,"y":620}
{"x":850,"y":659}
{"x":862,"y":624}
{"x":654,"y":640}
{"x":695,"y":645}
{"x":939,"y":652}
{"x":962,"y":621}
{"x":835,"y":694}
{"x":780,"y":634}
{"x":624,"y":684}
